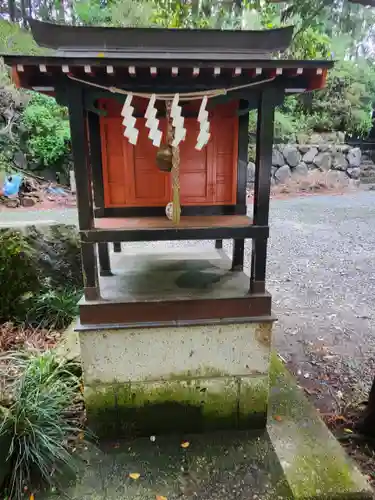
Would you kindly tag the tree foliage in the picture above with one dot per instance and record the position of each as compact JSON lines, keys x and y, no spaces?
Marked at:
{"x":47,"y":128}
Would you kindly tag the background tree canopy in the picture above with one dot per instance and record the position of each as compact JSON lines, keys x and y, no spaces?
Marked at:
{"x":338,"y":29}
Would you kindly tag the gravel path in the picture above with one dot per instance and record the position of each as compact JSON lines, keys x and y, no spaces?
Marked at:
{"x":322,"y":276}
{"x":321,"y":273}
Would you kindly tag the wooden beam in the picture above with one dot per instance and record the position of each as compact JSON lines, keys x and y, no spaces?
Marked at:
{"x":117,"y":247}
{"x":243,"y":140}
{"x":262,"y":185}
{"x":209,"y":233}
{"x":160,"y":211}
{"x":90,"y":271}
{"x":104,"y":261}
{"x":238,"y":255}
{"x":243,"y":144}
{"x":93,"y":121}
{"x":79,"y":140}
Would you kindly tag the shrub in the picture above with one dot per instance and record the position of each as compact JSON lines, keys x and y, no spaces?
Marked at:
{"x":40,"y":277}
{"x":48,"y":130}
{"x":53,"y":309}
{"x":35,"y":426}
{"x":18,"y":276}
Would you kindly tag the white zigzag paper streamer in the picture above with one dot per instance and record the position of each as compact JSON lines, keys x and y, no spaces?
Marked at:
{"x":204,"y":132}
{"x":129,"y":121}
{"x":178,"y":122}
{"x":152,"y":122}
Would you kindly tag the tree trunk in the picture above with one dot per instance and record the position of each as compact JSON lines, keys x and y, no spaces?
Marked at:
{"x":30,"y":8}
{"x":12,"y":10}
{"x":62,"y":12}
{"x":23,"y":13}
{"x":238,"y":7}
{"x":195,"y":10}
{"x":367,"y":423}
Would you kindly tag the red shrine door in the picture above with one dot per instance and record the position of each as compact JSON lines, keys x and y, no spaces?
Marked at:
{"x":207,"y":177}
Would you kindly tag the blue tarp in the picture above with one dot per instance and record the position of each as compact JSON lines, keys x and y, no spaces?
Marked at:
{"x":12,"y":185}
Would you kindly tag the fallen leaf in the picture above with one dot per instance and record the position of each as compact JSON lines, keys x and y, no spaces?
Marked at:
{"x":81,"y":436}
{"x":349,"y":431}
{"x":278,"y":418}
{"x":185,"y":444}
{"x":134,"y":475}
{"x":160,"y":497}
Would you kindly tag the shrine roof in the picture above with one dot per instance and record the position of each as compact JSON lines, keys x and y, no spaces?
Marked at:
{"x":157,"y":58}
{"x":160,"y":43}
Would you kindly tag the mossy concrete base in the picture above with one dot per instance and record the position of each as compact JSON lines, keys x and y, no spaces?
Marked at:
{"x":176,"y":378}
{"x":314,"y":464}
{"x":187,"y":405}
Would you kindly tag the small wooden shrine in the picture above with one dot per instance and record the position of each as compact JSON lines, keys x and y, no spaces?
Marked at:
{"x":160,"y":124}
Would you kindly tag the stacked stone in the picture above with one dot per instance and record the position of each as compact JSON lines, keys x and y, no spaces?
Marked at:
{"x":297,"y":160}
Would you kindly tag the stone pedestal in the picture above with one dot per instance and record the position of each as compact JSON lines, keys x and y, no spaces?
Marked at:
{"x":163,"y":370}
{"x":189,"y":378}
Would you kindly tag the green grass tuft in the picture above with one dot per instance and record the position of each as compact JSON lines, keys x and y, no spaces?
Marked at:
{"x":54,"y":309}
{"x":35,"y":421}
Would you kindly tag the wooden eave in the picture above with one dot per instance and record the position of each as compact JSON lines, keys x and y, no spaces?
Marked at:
{"x":48,"y":72}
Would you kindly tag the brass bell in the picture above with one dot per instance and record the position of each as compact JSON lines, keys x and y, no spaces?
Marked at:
{"x":164,"y":158}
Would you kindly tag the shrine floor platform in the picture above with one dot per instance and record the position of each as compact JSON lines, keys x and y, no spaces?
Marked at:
{"x":151,"y":286}
{"x":117,"y":229}
{"x":195,"y":222}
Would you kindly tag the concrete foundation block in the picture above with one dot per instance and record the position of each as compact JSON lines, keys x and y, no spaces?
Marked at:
{"x":163,"y":407}
{"x":140,"y":354}
{"x":189,"y":378}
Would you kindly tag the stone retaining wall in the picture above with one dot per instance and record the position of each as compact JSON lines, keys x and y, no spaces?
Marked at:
{"x":298,"y":160}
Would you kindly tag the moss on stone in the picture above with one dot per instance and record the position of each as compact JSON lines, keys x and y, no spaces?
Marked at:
{"x":186,"y":405}
{"x":190,"y":376}
{"x":315,"y":474}
{"x":101,"y":410}
{"x":314,"y":463}
{"x":253,"y":400}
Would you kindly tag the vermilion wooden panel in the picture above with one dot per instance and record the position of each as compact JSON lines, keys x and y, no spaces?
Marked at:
{"x":131,"y":177}
{"x":113,"y":162}
{"x":148,"y":186}
{"x":195,"y":175}
{"x":225,"y":155}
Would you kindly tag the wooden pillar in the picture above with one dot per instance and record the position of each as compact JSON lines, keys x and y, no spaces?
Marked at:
{"x":104,"y":261}
{"x":238,"y":255}
{"x":79,"y":139}
{"x":262,"y":186}
{"x":93,"y":125}
{"x":117,"y":247}
{"x":219,"y":244}
{"x":243,"y":144}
